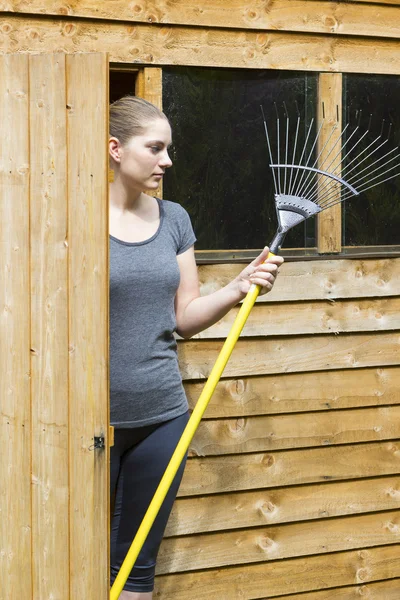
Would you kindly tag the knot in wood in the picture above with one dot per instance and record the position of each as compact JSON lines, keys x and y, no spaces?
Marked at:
{"x":237,"y":425}
{"x":363,"y":574}
{"x":251,"y":14}
{"x":393,"y":493}
{"x":262,"y":39}
{"x":268,"y":460}
{"x":331,"y":22}
{"x":266,"y":543}
{"x":392,"y":527}
{"x":69,"y":29}
{"x":267,"y":507}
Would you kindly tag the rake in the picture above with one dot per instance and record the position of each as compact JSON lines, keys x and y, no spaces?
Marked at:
{"x":308,"y":177}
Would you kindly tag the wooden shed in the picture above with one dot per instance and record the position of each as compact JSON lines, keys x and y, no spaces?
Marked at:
{"x":292,"y":487}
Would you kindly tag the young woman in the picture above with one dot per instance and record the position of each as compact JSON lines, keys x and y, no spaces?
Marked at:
{"x":154,"y":292}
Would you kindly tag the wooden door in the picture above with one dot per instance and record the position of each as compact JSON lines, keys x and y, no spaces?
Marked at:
{"x":54,"y":417}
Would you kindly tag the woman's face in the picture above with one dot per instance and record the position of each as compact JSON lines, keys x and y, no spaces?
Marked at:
{"x":144,"y":159}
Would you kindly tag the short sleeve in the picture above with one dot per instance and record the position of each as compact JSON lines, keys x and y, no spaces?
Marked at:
{"x":186,"y":234}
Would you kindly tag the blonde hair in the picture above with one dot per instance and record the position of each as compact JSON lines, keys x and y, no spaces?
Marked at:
{"x":130,"y":115}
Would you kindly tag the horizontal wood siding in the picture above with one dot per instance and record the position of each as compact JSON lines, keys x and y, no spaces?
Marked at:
{"x":296,"y":461}
{"x":141,"y":43}
{"x":324,"y":16}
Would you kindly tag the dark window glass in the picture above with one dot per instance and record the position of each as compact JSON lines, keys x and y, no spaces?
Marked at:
{"x":221,"y":172}
{"x":122,"y":83}
{"x":373,"y":218}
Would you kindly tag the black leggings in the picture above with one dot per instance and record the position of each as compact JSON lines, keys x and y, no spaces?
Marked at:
{"x":139,"y":458}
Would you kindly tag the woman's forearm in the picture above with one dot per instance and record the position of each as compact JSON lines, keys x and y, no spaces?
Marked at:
{"x":204,"y":311}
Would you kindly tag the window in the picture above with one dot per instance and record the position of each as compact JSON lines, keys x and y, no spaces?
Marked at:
{"x":373,"y":218}
{"x":221,"y":173}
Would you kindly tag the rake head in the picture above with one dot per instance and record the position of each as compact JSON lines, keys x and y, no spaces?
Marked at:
{"x":325,"y":169}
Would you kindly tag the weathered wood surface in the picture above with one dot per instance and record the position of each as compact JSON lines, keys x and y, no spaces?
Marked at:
{"x":341,"y":18}
{"x":182,"y":45}
{"x":15,"y":405}
{"x":298,"y":392}
{"x":281,"y":541}
{"x":214,"y":474}
{"x":305,"y":430}
{"x":87,"y":102}
{"x":317,"y":280}
{"x":283,"y":577}
{"x":266,"y":507}
{"x":329,"y":227}
{"x":340,"y":316}
{"x":49,"y":333}
{"x":288,"y":355}
{"x":383,"y":590}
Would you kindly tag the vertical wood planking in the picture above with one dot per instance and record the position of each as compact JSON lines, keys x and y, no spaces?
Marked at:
{"x":149,"y":87}
{"x":330,"y":220}
{"x":87,"y":110}
{"x":49,"y":309}
{"x":15,"y":455}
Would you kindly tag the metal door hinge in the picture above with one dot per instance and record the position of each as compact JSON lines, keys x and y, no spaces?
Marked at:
{"x":99,"y":443}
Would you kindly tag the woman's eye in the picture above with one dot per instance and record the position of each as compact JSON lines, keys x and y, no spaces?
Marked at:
{"x":155,"y":149}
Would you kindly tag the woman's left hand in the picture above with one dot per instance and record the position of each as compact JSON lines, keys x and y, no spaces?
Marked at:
{"x":260,"y":273}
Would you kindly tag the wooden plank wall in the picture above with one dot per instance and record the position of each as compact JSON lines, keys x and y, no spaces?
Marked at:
{"x":292,"y":489}
{"x":278,"y":34}
{"x":293,"y":480}
{"x":54,"y":303}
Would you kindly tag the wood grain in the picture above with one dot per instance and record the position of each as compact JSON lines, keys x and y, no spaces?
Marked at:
{"x":343,"y":18}
{"x":281,"y":541}
{"x":300,"y":318}
{"x":15,"y":410}
{"x":298,"y":392}
{"x":139,"y":43}
{"x":317,"y":280}
{"x":383,"y":590}
{"x":329,"y":222}
{"x":288,"y":355}
{"x":266,"y":507}
{"x":280,"y":432}
{"x":49,"y":338}
{"x":232,"y":473}
{"x":283,"y":577}
{"x":87,"y":103}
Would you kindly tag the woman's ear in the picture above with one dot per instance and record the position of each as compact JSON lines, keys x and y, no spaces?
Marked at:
{"x":115,"y":149}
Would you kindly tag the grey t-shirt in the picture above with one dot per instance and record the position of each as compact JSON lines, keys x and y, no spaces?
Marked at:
{"x":145,"y":383}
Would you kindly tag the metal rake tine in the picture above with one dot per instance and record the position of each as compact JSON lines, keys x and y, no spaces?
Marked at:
{"x":354,"y":177}
{"x":345,"y":170}
{"x":322,"y":167}
{"x":279,"y":144}
{"x":383,"y":180}
{"x":377,"y":168}
{"x":269,"y":147}
{"x":303,"y":151}
{"x":313,"y":183}
{"x":326,"y":184}
{"x":287,"y":145}
{"x":294,"y":148}
{"x":361,"y":180}
{"x":340,"y":149}
{"x":309,"y":173}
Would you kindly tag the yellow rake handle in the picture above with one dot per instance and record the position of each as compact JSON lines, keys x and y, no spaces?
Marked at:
{"x":184,"y":442}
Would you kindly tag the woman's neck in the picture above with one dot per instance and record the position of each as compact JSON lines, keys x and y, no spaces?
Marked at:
{"x":124,"y":200}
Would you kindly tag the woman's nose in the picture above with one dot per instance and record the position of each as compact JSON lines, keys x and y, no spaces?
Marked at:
{"x":166,"y":160}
